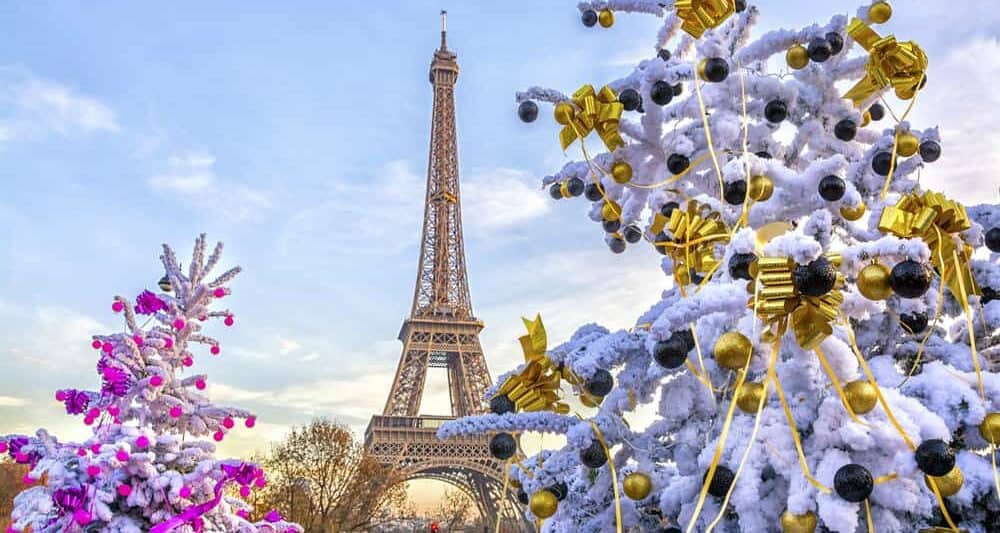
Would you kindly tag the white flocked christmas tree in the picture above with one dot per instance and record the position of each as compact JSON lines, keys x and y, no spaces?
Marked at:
{"x":147,"y":466}
{"x":826,"y":356}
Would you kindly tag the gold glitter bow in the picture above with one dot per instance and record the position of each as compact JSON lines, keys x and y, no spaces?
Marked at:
{"x":935,"y":219}
{"x":899,"y":64}
{"x":779,"y":300}
{"x":701,"y":15}
{"x":695,"y":231}
{"x":536,"y":388}
{"x":591,"y":111}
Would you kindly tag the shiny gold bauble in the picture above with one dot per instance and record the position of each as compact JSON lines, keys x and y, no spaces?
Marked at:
{"x":544,"y":504}
{"x":564,"y":189}
{"x":948,"y":484}
{"x":606,"y":18}
{"x":797,"y":57}
{"x":905,"y":93}
{"x":611,"y":211}
{"x":563,"y":112}
{"x":853,"y":213}
{"x":621,"y":172}
{"x":701,"y":69}
{"x":637,"y":485}
{"x":990,"y":428}
{"x":880,"y":12}
{"x":748,"y":396}
{"x":761,"y":188}
{"x":732,"y":350}
{"x":861,"y":396}
{"x":873,"y":282}
{"x":907,"y":145}
{"x":515,"y":483}
{"x":798,"y":523}
{"x":866,"y":118}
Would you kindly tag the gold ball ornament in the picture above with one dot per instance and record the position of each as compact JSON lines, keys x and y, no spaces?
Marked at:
{"x":732,"y":350}
{"x":797,"y":57}
{"x":701,"y":69}
{"x":866,"y":119}
{"x":611,"y":211}
{"x":907,"y":145}
{"x":543,"y":504}
{"x":880,"y":12}
{"x":515,"y":483}
{"x":990,"y":428}
{"x":761,"y":188}
{"x":748,"y":396}
{"x":861,"y":396}
{"x":606,"y":18}
{"x":563,"y":113}
{"x":873,"y":282}
{"x":948,"y":484}
{"x":853,"y":213}
{"x":621,"y":172}
{"x":798,"y":523}
{"x":637,"y":486}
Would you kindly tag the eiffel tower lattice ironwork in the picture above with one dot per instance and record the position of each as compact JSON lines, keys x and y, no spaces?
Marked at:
{"x":441,"y":332}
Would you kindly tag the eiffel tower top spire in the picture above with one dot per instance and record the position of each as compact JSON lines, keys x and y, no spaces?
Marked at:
{"x":442,"y":288}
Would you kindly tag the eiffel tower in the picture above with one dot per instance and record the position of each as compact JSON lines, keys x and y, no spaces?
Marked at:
{"x":441,"y":332}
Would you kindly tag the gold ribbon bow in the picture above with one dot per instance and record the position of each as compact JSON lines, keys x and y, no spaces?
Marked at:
{"x":701,"y":15}
{"x":935,"y":219}
{"x":536,"y":388}
{"x":779,"y":300}
{"x":695,"y":232}
{"x":591,"y":111}
{"x":899,"y":64}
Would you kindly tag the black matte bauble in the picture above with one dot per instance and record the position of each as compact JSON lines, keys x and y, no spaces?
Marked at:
{"x":935,"y":457}
{"x":819,"y":49}
{"x":502,"y":404}
{"x":993,"y":240}
{"x":503,"y":446}
{"x":914,"y":322}
{"x":611,"y":226}
{"x":661,"y":238}
{"x":555,"y":191}
{"x":617,"y":245}
{"x":670,"y":353}
{"x":910,"y":279}
{"x":527,"y":111}
{"x":632,"y":234}
{"x":739,"y":266}
{"x":853,"y":483}
{"x":776,"y":111}
{"x":735,"y":192}
{"x":882,"y":163}
{"x":593,"y":456}
{"x":716,"y":69}
{"x":574,"y":186}
{"x":589,"y":18}
{"x":663,"y":54}
{"x":930,"y":151}
{"x":630,"y":99}
{"x":592,"y":192}
{"x":522,"y":497}
{"x":877,"y":112}
{"x":832,"y":188}
{"x":836,"y":42}
{"x":741,"y":6}
{"x":815,"y":279}
{"x":678,"y":89}
{"x":661,"y":93}
{"x":721,"y":481}
{"x":677,"y":163}
{"x":763,"y":154}
{"x":668,"y":208}
{"x":560,"y":490}
{"x":845,"y":130}
{"x":600,"y":384}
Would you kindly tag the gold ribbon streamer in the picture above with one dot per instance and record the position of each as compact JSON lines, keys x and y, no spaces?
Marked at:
{"x":810,"y":316}
{"x":996,"y":476}
{"x":795,"y":430}
{"x":590,"y":110}
{"x":695,"y":230}
{"x":698,"y":16}
{"x":708,"y":138}
{"x":614,"y":476}
{"x":536,"y":388}
{"x":836,"y":385}
{"x":868,"y":515}
{"x":901,"y":65}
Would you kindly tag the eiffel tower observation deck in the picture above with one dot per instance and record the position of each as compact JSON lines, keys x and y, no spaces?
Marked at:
{"x":441,"y":332}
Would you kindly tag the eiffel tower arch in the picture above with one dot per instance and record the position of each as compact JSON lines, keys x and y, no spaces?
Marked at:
{"x":442,"y":332}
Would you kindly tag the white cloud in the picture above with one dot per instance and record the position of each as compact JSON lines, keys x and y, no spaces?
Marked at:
{"x":10,"y":401}
{"x":287,"y":346}
{"x":192,"y":179}
{"x":36,"y":107}
{"x":502,"y":198}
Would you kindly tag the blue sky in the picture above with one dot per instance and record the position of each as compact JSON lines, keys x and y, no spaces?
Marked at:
{"x":297,"y":133}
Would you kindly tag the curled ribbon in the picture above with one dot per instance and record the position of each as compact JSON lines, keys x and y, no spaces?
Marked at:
{"x":536,"y":388}
{"x":695,"y":231}
{"x":590,"y":110}
{"x":699,"y":16}
{"x":901,"y":65}
{"x":935,"y":219}
{"x":781,"y":302}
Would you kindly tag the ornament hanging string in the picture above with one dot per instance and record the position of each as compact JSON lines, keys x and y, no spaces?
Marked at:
{"x":672,"y":179}
{"x":895,"y":144}
{"x":708,"y":136}
{"x":614,"y":476}
{"x":836,"y":385}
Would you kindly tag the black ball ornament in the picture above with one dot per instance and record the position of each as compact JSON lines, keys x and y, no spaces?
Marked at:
{"x":846,"y":130}
{"x":763,"y":154}
{"x":663,"y":54}
{"x":914,"y":322}
{"x":555,"y":191}
{"x":589,"y":18}
{"x":819,"y":49}
{"x":853,"y":483}
{"x":832,"y":188}
{"x":593,"y":456}
{"x":677,"y":529}
{"x":686,"y":336}
{"x":661,"y":93}
{"x":993,"y":240}
{"x":715,"y":69}
{"x":592,"y":192}
{"x":668,"y":208}
{"x":632,"y":234}
{"x":741,"y":6}
{"x":934,"y":457}
{"x":930,"y":151}
{"x":910,"y":279}
{"x":522,"y":497}
{"x":836,"y":42}
{"x":678,"y":89}
{"x":503,"y":446}
{"x":739,"y":266}
{"x":661,"y":238}
{"x":882,"y":163}
{"x":560,"y":490}
{"x":600,"y":384}
{"x":617,"y":245}
{"x":877,"y":112}
{"x":721,"y":481}
{"x":502,"y":404}
{"x":815,"y":279}
{"x":671,"y":353}
{"x":989,"y":295}
{"x":611,"y":226}
{"x":735,"y":192}
{"x":630,"y":99}
{"x":776,"y":111}
{"x":575,"y":186}
{"x":527,"y":111}
{"x":677,"y":163}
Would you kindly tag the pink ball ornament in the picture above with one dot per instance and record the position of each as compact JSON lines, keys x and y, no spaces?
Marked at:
{"x":142,"y":441}
{"x":228,"y":423}
{"x":96,"y":447}
{"x":218,"y":436}
{"x":198,"y":524}
{"x":242,"y":513}
{"x":229,"y":320}
{"x":156,"y":381}
{"x":168,"y":342}
{"x":88,"y":421}
{"x":20,"y":458}
{"x":96,"y":344}
{"x":219,"y":292}
{"x":185,"y":492}
{"x":179,"y":323}
{"x":82,"y":517}
{"x":121,"y":455}
{"x":124,"y":490}
{"x":117,"y":307}
{"x":82,"y":452}
{"x":137,"y":339}
{"x":114,"y":411}
{"x":245,"y":491}
{"x":107,"y":346}
{"x":3,"y":446}
{"x":12,"y":530}
{"x":93,"y":470}
{"x":93,"y":412}
{"x":60,"y":396}
{"x":250,"y":421}
{"x":176,"y":411}
{"x":28,"y":480}
{"x":260,"y":482}
{"x":215,"y":349}
{"x":187,"y":361}
{"x":202,"y":318}
{"x":200,"y":384}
